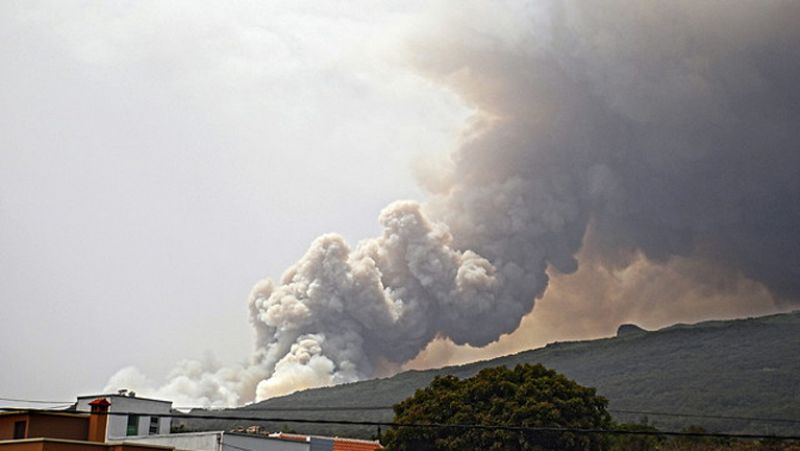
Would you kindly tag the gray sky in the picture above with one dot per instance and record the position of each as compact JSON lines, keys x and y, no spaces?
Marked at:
{"x":596,"y":162}
{"x":158,"y":158}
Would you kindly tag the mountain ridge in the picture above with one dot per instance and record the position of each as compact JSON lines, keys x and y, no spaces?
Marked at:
{"x":745,"y":367}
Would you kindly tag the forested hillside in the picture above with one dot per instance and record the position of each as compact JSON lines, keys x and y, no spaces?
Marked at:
{"x":746,"y":368}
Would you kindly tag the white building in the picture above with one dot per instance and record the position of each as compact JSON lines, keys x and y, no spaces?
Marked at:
{"x":229,"y":441}
{"x":141,"y":421}
{"x":133,"y":419}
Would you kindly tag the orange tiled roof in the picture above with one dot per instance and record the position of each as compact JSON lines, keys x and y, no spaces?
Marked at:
{"x":339,"y":444}
{"x":355,"y":445}
{"x":292,"y":437}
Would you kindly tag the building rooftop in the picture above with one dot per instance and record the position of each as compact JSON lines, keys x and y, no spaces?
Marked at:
{"x":121,"y":395}
{"x":340,"y":443}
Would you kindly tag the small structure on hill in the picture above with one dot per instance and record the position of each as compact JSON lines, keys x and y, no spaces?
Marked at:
{"x":626,"y":330}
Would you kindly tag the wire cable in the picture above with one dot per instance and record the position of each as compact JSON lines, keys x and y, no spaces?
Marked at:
{"x":623,"y":411}
{"x":710,"y":417}
{"x":512,"y":428}
{"x":37,"y":401}
{"x":374,"y":408}
{"x":320,"y":408}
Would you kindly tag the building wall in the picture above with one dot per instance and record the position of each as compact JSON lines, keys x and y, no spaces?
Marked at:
{"x":133,"y":447}
{"x":235,"y":442}
{"x":118,"y":424}
{"x":20,"y":446}
{"x":43,"y":425}
{"x":200,"y":441}
{"x":222,"y":441}
{"x":48,"y":445}
{"x":7,"y":424}
{"x":71,"y":445}
{"x":72,"y":428}
{"x":321,"y":444}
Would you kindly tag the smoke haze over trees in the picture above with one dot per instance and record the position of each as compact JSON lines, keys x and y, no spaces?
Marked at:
{"x":621,"y":132}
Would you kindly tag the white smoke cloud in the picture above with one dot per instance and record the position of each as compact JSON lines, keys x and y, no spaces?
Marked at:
{"x":662,"y":124}
{"x":381,"y":301}
{"x":191,"y":383}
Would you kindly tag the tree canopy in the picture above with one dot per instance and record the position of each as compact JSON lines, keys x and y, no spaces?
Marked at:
{"x":528,"y":395}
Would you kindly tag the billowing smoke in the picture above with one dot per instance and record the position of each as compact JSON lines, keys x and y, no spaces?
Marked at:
{"x":669,"y":127}
{"x":596,"y":299}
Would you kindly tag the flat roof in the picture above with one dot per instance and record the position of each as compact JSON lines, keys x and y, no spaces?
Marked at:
{"x":259,"y":436}
{"x":325,"y":437}
{"x":177,"y":434}
{"x":135,"y":438}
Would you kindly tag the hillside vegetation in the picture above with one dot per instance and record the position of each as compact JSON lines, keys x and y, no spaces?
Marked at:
{"x":739,"y":368}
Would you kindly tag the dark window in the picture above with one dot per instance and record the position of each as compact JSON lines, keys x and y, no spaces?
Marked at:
{"x":133,"y":425}
{"x":19,"y":429}
{"x":153,"y":426}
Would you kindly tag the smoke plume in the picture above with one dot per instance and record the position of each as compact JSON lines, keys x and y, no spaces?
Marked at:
{"x":669,"y":128}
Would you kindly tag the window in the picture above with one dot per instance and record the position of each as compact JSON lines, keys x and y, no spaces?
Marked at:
{"x":19,"y":429}
{"x":133,"y":425}
{"x":153,"y":426}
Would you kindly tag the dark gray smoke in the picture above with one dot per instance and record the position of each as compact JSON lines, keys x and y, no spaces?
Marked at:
{"x":673,"y":128}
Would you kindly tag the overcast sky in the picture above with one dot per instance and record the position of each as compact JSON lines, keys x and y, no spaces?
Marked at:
{"x":584,"y":164}
{"x":158,"y":158}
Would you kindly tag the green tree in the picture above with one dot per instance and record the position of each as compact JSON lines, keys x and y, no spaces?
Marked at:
{"x":528,"y":395}
{"x":635,"y":442}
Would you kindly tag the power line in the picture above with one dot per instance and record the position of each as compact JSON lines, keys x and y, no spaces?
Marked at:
{"x":512,"y":428}
{"x":378,"y":408}
{"x":711,"y":417}
{"x":623,"y":411}
{"x":323,"y":408}
{"x":36,"y":401}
